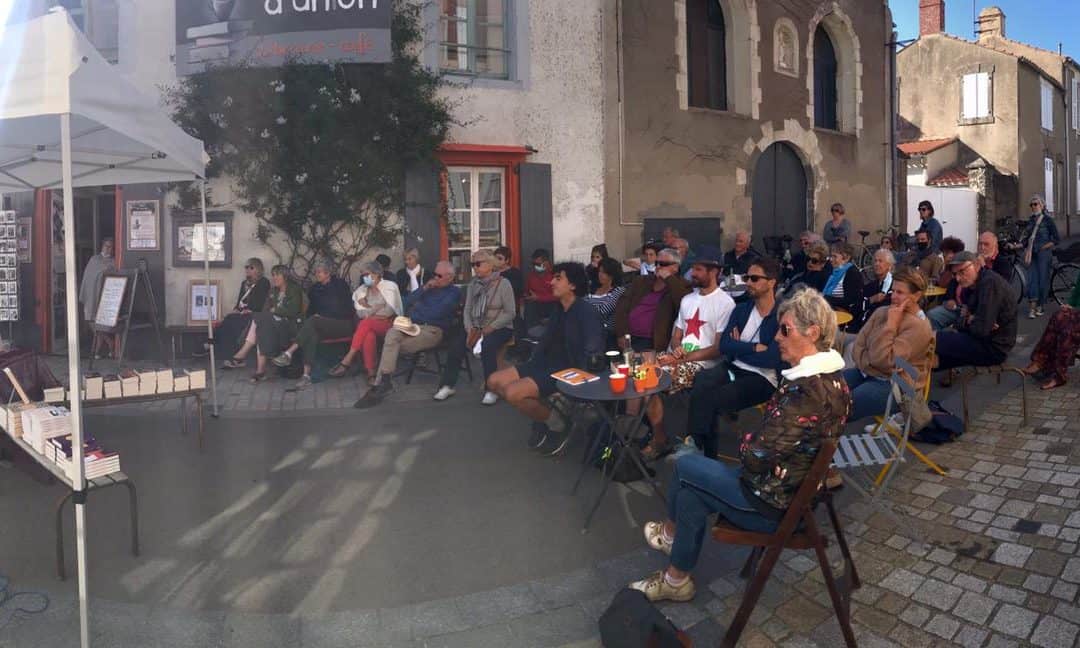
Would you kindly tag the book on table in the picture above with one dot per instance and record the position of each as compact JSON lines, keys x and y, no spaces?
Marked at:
{"x":181,"y":381}
{"x":197,"y":378}
{"x":54,"y":394}
{"x":93,"y":384}
{"x":112,"y":387}
{"x":41,"y":424}
{"x":147,"y":382}
{"x":574,"y":376}
{"x":97,"y":462}
{"x":165,"y":381}
{"x":129,"y":383}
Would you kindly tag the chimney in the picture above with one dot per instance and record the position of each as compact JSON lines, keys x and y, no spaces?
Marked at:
{"x":931,"y":17}
{"x":991,"y":23}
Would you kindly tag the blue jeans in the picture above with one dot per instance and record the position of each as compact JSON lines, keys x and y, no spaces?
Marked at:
{"x":702,"y":486}
{"x":942,"y":318}
{"x":868,"y":394}
{"x":1038,"y":274}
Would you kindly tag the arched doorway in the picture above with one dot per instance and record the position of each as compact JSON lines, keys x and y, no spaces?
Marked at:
{"x":779,"y":206}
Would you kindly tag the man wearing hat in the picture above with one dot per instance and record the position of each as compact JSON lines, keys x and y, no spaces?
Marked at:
{"x":930,"y":225}
{"x":695,"y":342}
{"x":430,"y":310}
{"x":986,"y":330}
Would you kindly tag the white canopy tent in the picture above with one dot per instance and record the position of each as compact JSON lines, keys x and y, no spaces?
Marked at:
{"x":68,"y":119}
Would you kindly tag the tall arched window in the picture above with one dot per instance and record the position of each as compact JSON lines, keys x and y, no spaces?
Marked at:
{"x":706,"y":54}
{"x":826,"y":69}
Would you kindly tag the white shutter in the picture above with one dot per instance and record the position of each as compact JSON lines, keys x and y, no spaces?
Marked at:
{"x":975,"y":103}
{"x":982,"y":88}
{"x":1048,"y":171}
{"x":1076,"y":104}
{"x":1047,"y":105}
{"x":1077,"y":194}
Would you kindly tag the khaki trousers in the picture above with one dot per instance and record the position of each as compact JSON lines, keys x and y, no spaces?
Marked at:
{"x":395,"y":343}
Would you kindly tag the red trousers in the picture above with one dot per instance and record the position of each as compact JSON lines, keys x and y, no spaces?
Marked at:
{"x":366,"y":337}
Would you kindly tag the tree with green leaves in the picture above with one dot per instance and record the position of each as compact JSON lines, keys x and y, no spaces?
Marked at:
{"x":317,"y":153}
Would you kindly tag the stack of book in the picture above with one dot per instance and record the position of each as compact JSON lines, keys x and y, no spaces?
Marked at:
{"x":43,"y":423}
{"x":97,"y":462}
{"x":129,"y":383}
{"x":111,"y":386}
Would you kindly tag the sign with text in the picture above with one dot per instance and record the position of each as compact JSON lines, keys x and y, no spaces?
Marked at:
{"x":110,"y":301}
{"x":270,"y":32}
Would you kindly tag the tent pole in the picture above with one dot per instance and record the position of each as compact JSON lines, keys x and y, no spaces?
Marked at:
{"x":74,"y":375}
{"x":209,"y":320}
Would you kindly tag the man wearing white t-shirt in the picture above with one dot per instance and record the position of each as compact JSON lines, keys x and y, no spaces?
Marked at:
{"x":703,"y":315}
{"x":748,"y":375}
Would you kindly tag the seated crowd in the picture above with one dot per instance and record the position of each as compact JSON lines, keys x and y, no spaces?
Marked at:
{"x":733,"y":332}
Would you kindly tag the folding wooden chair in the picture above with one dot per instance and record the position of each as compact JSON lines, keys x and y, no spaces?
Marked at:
{"x":798,"y":530}
{"x":930,"y":463}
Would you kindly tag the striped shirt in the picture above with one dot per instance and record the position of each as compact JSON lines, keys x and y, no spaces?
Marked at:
{"x":605,"y":305}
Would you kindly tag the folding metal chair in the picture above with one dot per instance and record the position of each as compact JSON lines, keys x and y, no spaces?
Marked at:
{"x":879,"y":449}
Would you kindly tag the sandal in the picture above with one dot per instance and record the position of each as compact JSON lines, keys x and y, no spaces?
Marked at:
{"x":339,"y":370}
{"x":259,"y":377}
{"x":1053,"y":383}
{"x":1032,"y":369}
{"x":233,"y":363}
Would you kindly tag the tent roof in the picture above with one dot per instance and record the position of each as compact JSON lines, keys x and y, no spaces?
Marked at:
{"x":118,"y":134}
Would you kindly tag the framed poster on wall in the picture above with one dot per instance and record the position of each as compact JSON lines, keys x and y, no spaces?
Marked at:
{"x":203,"y":304}
{"x":143,"y":217}
{"x":189,"y":247}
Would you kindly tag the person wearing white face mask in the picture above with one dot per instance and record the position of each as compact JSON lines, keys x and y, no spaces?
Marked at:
{"x":90,"y":288}
{"x":377,"y":302}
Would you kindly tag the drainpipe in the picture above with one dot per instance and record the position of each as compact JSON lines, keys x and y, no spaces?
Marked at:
{"x":1070,"y":165}
{"x":621,"y":79}
{"x":890,"y":172}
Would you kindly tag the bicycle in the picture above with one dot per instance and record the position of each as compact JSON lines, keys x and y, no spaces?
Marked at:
{"x":864,"y":253}
{"x":1064,"y":271}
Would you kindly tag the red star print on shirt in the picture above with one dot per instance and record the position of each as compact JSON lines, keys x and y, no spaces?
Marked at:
{"x":694,"y":324}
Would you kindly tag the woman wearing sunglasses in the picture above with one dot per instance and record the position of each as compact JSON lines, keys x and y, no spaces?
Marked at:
{"x":228,"y":336}
{"x":818,"y":270}
{"x":1039,"y":240}
{"x":810,"y":405}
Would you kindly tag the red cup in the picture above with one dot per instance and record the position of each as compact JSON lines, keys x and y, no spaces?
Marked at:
{"x":617,"y":382}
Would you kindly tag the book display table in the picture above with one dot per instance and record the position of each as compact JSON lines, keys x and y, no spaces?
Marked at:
{"x":113,"y":479}
{"x":153,"y":398}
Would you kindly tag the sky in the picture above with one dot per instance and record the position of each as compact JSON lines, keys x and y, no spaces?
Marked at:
{"x":1042,"y":23}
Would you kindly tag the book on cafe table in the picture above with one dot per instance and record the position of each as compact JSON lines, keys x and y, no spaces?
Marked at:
{"x":574,"y":376}
{"x":164,"y":381}
{"x":129,"y":383}
{"x":54,"y":394}
{"x":197,"y":379}
{"x":181,"y":380}
{"x":147,"y":382}
{"x":93,"y":385}
{"x":111,"y":386}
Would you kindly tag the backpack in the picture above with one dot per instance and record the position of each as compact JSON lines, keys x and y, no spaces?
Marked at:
{"x":631,"y":621}
{"x":944,"y":426}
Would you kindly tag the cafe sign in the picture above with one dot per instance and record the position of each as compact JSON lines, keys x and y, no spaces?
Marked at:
{"x":270,"y":32}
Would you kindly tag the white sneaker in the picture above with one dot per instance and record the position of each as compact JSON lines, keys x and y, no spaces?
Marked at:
{"x":490,"y":398}
{"x":444,"y":392}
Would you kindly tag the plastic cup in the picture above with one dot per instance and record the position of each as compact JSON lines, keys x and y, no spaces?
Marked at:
{"x":641,"y":384}
{"x":617,"y":382}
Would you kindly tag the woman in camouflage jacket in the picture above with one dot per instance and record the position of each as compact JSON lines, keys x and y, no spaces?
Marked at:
{"x":811,"y":404}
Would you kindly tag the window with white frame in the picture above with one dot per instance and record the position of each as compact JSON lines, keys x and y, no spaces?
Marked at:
{"x":1047,"y":95}
{"x":1048,"y":184}
{"x":475,"y":38}
{"x":476,"y":214}
{"x":1076,"y":196}
{"x":976,"y":96}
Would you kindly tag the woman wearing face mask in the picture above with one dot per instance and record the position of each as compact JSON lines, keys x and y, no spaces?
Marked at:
{"x":1039,"y":240}
{"x":377,"y":302}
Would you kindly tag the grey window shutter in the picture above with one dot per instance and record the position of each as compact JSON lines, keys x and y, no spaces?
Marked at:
{"x":536,"y":221}
{"x":422,"y":212}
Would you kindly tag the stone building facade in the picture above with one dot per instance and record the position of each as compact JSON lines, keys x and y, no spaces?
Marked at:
{"x":759,"y":122}
{"x":1011,"y":107}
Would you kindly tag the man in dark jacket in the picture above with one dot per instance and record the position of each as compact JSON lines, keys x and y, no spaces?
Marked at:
{"x":986,"y":332}
{"x":430,"y":311}
{"x":749,"y":375}
{"x":737,"y":260}
{"x":573,"y":335}
{"x":992,"y":256}
{"x":647,"y":310}
{"x":329,"y":315}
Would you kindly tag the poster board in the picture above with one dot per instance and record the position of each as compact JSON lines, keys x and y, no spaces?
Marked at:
{"x":202,"y":304}
{"x":9,"y":264}
{"x":187,"y":247}
{"x":110,"y":304}
{"x":143,"y":225}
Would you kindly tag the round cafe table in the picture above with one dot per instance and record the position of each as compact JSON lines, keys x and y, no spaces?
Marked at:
{"x":934,"y":291}
{"x":843,"y":318}
{"x":596,"y":395}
